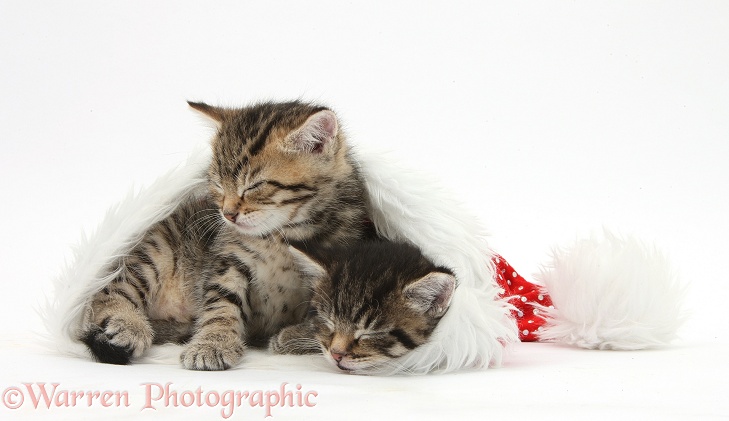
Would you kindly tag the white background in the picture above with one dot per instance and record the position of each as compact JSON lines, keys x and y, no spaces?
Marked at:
{"x":548,"y":119}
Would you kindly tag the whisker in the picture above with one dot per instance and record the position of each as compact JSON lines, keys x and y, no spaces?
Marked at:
{"x":203,"y":223}
{"x":214,"y":226}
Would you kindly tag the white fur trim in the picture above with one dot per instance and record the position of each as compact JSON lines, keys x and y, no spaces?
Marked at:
{"x":611,"y":293}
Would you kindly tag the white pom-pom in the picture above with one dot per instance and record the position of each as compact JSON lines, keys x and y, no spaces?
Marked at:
{"x":611,"y":293}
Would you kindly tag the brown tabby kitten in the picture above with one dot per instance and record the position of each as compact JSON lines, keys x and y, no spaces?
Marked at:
{"x":372,"y":303}
{"x":219,"y":271}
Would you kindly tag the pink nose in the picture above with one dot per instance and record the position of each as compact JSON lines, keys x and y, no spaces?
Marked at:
{"x":230,"y":215}
{"x":337,"y":356}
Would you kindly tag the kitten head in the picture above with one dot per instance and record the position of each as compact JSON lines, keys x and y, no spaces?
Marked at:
{"x":273,"y":165}
{"x":374,"y":302}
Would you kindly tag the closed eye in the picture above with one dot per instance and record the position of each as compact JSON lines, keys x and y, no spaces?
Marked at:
{"x":372,"y":335}
{"x":253,"y":187}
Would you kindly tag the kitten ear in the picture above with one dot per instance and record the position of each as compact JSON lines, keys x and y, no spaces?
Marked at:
{"x":432,"y":293}
{"x":316,"y":134}
{"x":214,"y":114}
{"x":306,"y":265}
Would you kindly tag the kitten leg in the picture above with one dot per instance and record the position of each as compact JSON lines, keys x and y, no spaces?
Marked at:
{"x":117,"y":327}
{"x":296,"y":339}
{"x":218,"y":340}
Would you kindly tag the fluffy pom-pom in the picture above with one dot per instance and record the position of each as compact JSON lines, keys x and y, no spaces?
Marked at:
{"x":611,"y":292}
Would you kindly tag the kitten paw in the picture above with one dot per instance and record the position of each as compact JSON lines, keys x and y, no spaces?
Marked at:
{"x":116,"y":340}
{"x":296,"y":339}
{"x":275,"y":346}
{"x":212,"y":355}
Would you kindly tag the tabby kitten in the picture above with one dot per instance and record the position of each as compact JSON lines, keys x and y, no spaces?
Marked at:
{"x":218,"y":271}
{"x":373,"y":302}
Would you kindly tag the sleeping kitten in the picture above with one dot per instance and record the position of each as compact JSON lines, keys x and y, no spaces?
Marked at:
{"x":218,"y":271}
{"x":372,"y":303}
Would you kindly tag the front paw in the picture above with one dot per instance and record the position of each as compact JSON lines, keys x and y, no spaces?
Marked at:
{"x":212,"y":355}
{"x":275,"y":345}
{"x":297,"y":339}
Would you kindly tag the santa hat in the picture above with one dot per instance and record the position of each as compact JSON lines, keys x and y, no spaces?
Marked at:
{"x":602,"y":294}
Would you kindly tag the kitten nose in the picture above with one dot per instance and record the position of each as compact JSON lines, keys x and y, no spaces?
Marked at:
{"x":337,"y":356}
{"x":230,"y":215}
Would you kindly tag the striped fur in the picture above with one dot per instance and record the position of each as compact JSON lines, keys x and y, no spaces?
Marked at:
{"x":218,"y":271}
{"x":372,"y":303}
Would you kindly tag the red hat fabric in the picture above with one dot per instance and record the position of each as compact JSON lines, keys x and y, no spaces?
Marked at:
{"x":525,"y":296}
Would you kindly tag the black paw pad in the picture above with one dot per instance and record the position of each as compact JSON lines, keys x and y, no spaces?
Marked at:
{"x":103,"y":350}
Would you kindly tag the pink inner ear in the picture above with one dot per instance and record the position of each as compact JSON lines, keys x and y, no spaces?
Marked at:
{"x":318,"y":130}
{"x":446,"y":285}
{"x":327,"y":122}
{"x":433,"y":292}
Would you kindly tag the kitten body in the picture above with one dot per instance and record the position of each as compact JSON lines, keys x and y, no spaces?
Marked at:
{"x":218,"y":271}
{"x":372,"y":303}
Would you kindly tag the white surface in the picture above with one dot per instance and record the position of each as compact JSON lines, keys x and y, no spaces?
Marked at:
{"x":549,"y":119}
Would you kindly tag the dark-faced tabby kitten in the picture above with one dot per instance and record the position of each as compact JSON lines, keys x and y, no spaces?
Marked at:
{"x":219,"y":270}
{"x":373,"y":302}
